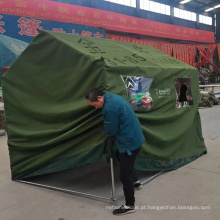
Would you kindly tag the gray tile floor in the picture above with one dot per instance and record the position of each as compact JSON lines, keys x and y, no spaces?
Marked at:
{"x":191,"y":192}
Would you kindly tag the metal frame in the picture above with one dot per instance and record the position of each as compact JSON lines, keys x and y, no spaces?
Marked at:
{"x":210,"y":85}
{"x":113,"y":198}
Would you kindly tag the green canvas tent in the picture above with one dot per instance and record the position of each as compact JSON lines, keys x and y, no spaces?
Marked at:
{"x":50,"y":126}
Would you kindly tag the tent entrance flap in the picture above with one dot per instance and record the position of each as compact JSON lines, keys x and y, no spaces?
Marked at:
{"x":80,"y":181}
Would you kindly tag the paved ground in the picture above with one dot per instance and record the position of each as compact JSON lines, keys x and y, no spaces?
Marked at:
{"x":195,"y":185}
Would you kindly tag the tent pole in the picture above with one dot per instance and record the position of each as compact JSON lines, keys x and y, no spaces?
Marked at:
{"x":148,"y":180}
{"x":87,"y":194}
{"x":63,"y":190}
{"x":113,"y":180}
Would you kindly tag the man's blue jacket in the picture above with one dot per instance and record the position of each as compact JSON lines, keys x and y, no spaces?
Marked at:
{"x":121,"y":122}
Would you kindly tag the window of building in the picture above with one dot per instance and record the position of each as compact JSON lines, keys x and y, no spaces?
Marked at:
{"x":188,"y":15}
{"x":155,"y":7}
{"x":205,"y":19}
{"x":215,"y":20}
{"x":131,"y":3}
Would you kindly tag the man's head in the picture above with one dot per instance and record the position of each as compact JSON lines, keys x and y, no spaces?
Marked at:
{"x":95,"y":97}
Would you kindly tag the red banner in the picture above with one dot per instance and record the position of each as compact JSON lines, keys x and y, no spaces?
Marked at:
{"x":185,"y":53}
{"x":192,"y":53}
{"x":57,"y":11}
{"x":166,"y":48}
{"x":175,"y":51}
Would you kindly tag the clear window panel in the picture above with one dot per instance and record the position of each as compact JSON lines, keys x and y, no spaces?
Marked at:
{"x":176,"y":12}
{"x":133,"y":3}
{"x":113,"y":1}
{"x":181,"y":14}
{"x":141,"y":4}
{"x":200,"y":18}
{"x":185,"y":15}
{"x":138,"y":91}
{"x":162,"y":8}
{"x":203,"y":19}
{"x":152,"y":6}
{"x":184,"y":98}
{"x":193,"y":16}
{"x":167,"y":10}
{"x":209,"y":20}
{"x":120,"y":2}
{"x":189,"y":15}
{"x":127,"y":2}
{"x":147,"y":5}
{"x":144,"y":4}
{"x":157,"y":7}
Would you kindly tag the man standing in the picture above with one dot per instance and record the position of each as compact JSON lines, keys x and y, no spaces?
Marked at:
{"x":121,"y":123}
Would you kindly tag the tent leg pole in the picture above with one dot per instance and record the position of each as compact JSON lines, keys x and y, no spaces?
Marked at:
{"x":113,"y":180}
{"x":148,"y":180}
{"x":64,"y":190}
{"x":87,"y":194}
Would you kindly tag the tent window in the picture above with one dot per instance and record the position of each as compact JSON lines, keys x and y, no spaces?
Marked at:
{"x":183,"y":92}
{"x":138,"y":91}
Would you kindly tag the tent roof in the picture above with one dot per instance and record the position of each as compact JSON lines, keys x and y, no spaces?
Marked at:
{"x":116,"y":53}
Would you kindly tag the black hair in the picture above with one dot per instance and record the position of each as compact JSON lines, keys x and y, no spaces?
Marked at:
{"x":93,"y":93}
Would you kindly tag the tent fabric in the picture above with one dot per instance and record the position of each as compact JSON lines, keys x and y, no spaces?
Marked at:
{"x":51,"y":127}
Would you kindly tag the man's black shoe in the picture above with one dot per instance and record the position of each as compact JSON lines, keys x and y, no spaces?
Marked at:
{"x":124,"y":210}
{"x":138,"y":186}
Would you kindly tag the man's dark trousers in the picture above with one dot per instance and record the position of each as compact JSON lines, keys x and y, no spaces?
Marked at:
{"x":128,"y":175}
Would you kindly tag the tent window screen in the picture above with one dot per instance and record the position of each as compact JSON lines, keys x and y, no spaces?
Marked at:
{"x":183,"y":92}
{"x":138,"y":91}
